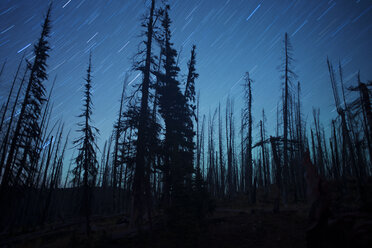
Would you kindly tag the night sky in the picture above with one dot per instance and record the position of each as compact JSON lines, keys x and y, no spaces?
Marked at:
{"x":232,"y":37}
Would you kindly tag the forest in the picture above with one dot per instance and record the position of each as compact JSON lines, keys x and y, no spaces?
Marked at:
{"x":170,"y":175}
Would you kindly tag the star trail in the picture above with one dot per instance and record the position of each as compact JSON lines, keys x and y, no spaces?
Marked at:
{"x":232,"y":37}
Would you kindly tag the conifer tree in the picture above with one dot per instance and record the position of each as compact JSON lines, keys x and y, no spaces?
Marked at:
{"x":178,"y":143}
{"x":86,"y":160}
{"x":248,"y":124}
{"x":139,"y":118}
{"x":22,"y":151}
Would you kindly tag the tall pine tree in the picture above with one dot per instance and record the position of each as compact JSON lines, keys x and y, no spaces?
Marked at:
{"x":23,"y":151}
{"x":177,"y":116}
{"x":86,"y":160}
{"x":140,"y":117}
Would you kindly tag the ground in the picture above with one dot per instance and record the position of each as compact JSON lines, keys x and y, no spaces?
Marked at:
{"x":227,"y":227}
{"x":233,"y":224}
{"x":235,"y":228}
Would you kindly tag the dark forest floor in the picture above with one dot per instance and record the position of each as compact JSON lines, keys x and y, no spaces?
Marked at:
{"x":227,"y":227}
{"x":234,"y":224}
{"x":233,"y":228}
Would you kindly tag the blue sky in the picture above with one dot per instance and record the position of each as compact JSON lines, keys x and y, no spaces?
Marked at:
{"x":232,"y":37}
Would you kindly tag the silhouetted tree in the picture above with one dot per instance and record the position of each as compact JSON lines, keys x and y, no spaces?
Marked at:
{"x":347,"y":146}
{"x":362,"y":106}
{"x":140,"y":182}
{"x":288,"y":76}
{"x":118,"y":129}
{"x":86,"y":160}
{"x":247,"y":115}
{"x":22,"y":151}
{"x":10,"y":92}
{"x":190,"y":83}
{"x":7,"y":136}
{"x":178,"y":144}
{"x":229,"y":126}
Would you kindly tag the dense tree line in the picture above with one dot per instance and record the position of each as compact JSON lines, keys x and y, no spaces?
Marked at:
{"x":163,"y":155}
